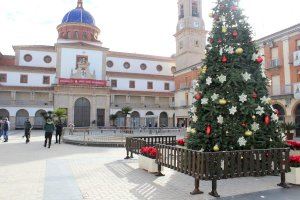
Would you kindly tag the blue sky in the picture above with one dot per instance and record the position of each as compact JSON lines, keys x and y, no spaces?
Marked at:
{"x":141,"y":26}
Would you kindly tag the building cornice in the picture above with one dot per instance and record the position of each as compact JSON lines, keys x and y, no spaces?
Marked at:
{"x":80,"y":45}
{"x":78,"y":24}
{"x":139,"y":56}
{"x":51,"y":70}
{"x":139,"y":76}
{"x":25,"y":88}
{"x":34,"y":48}
{"x":142,"y":93}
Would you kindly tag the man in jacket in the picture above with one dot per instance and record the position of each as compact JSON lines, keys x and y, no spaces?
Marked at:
{"x":59,"y":128}
{"x":6,"y":127}
{"x":49,"y":129}
{"x":1,"y":127}
{"x":27,"y":127}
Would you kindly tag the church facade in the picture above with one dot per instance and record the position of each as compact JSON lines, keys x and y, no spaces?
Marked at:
{"x":91,"y":82}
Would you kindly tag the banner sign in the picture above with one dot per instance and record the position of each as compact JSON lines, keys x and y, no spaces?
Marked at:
{"x":91,"y":82}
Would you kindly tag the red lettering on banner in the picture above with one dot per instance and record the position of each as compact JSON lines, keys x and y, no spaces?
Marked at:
{"x":72,"y":81}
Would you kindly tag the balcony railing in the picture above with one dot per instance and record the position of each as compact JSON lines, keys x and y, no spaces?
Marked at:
{"x":284,"y":90}
{"x":275,"y":63}
{"x":5,"y":102}
{"x":151,"y":106}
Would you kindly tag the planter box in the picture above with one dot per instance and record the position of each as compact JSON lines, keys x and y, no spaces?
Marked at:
{"x":293,"y":176}
{"x":147,"y":164}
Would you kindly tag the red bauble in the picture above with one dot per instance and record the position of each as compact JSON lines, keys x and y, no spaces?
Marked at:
{"x":224,"y":59}
{"x":259,"y":59}
{"x":267,"y":120}
{"x":234,"y":8}
{"x":244,"y":124}
{"x":211,"y":40}
{"x":198,"y":96}
{"x":219,"y":40}
{"x":208,"y":130}
{"x":235,"y":33}
{"x":254,"y":95}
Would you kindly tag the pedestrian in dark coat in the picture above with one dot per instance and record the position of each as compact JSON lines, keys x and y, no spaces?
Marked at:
{"x":59,"y":128}
{"x":27,"y":127}
{"x":49,"y":129}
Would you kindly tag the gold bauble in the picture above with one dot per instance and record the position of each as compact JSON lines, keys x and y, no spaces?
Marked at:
{"x":248,"y":133}
{"x":224,"y":29}
{"x":222,"y":101}
{"x":239,"y":51}
{"x":216,"y":148}
{"x":253,"y":117}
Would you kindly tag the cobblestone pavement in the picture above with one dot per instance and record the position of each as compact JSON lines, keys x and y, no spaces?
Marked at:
{"x":67,"y":172}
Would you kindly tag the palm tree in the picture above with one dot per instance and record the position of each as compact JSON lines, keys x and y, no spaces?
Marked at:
{"x":288,"y":127}
{"x":113,"y":118}
{"x":126,"y":110}
{"x":60,"y":113}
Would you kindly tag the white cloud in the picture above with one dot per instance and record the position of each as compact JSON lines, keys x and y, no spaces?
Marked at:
{"x":141,"y":26}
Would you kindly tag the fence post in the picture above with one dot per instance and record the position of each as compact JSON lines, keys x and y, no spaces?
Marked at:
{"x":197,"y":185}
{"x":214,"y":192}
{"x":283,"y":183}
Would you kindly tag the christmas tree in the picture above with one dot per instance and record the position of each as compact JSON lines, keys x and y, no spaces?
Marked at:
{"x":232,"y":110}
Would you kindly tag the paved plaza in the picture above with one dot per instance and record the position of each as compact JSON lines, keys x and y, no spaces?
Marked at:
{"x":67,"y":172}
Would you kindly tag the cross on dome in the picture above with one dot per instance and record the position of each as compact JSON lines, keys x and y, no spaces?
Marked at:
{"x":79,"y":4}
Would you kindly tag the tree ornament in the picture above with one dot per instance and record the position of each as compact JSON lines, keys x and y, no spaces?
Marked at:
{"x":234,"y":8}
{"x":255,"y":127}
{"x":254,"y":95}
{"x":244,"y":124}
{"x":198,"y":96}
{"x":204,"y":69}
{"x":248,"y":133}
{"x":208,"y":130}
{"x":216,"y":148}
{"x":233,"y":110}
{"x":267,"y":120}
{"x":224,"y":29}
{"x":220,"y":40}
{"x":242,"y":141}
{"x":239,"y":51}
{"x":253,"y":117}
{"x":235,"y":33}
{"x":259,"y":60}
{"x":224,"y":59}
{"x":211,"y":40}
{"x":222,"y":102}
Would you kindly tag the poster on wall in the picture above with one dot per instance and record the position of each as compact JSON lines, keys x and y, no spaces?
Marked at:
{"x":82,"y":68}
{"x":297,"y":58}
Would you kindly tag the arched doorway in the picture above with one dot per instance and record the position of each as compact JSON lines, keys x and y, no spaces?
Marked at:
{"x":82,"y":113}
{"x":281,"y":113}
{"x":150,"y":119}
{"x":163,"y":119}
{"x":21,"y":117}
{"x":120,"y":121}
{"x":297,"y":120}
{"x":4,"y":114}
{"x":39,"y":120}
{"x":135,"y":119}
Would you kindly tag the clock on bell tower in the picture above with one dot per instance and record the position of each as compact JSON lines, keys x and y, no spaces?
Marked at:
{"x":190,"y":35}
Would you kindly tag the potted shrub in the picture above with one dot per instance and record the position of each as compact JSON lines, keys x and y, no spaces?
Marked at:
{"x":294,"y":176}
{"x":147,"y":159}
{"x":288,"y":127}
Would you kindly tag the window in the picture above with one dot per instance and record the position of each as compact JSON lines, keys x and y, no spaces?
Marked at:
{"x":181,"y":45}
{"x":167,"y":86}
{"x":131,"y":84}
{"x":159,"y":68}
{"x":23,"y":78}
{"x":28,"y":57}
{"x":143,"y":66}
{"x":195,"y":12}
{"x":47,"y":59}
{"x":196,"y":43}
{"x":114,"y":83}
{"x":3,"y":78}
{"x":109,"y":64}
{"x":274,"y":55}
{"x":46,"y":80}
{"x":150,"y":85}
{"x":298,"y":45}
{"x":68,"y":35}
{"x":76,"y":36}
{"x":84,"y":36}
{"x":126,"y":65}
{"x":181,"y":11}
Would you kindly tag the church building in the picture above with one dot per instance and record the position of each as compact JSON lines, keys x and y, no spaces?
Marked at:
{"x":91,"y":82}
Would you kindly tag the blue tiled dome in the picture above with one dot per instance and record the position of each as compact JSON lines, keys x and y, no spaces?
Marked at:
{"x":79,"y":15}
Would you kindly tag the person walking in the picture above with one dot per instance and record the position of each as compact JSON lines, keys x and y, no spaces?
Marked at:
{"x":49,"y":129}
{"x":27,"y":128}
{"x":1,"y":127}
{"x":59,"y":128}
{"x":6,"y":127}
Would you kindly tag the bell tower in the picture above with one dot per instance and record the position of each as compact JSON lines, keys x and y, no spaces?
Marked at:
{"x":190,"y":35}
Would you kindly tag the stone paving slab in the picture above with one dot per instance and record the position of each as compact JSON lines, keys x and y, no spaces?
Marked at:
{"x":32,"y":172}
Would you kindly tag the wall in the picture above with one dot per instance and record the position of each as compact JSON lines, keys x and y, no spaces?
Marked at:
{"x":37,"y":58}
